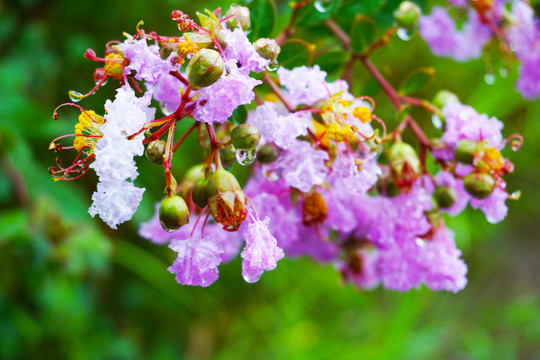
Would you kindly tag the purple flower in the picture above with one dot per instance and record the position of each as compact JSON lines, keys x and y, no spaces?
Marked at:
{"x":145,"y":60}
{"x":261,"y":251}
{"x":281,"y":129}
{"x":439,"y":31}
{"x":197,"y":261}
{"x":218,"y":101}
{"x":346,"y":177}
{"x":167,"y":92}
{"x":240,"y":49}
{"x":307,"y":85}
{"x":302,"y":166}
{"x":445,"y":178}
{"x":313,"y":242}
{"x":367,"y":277}
{"x":493,"y":206}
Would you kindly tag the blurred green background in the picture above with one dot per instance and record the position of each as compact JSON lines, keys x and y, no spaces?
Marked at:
{"x":72,"y":288}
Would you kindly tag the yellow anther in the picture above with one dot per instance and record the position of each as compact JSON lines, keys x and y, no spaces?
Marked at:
{"x":89,"y":124}
{"x":113,"y":67}
{"x":362,"y":113}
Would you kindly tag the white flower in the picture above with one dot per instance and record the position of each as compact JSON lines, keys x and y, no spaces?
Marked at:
{"x":116,"y":198}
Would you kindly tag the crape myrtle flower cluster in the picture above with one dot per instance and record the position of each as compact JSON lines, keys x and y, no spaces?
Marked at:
{"x":509,"y":26}
{"x":328,"y":180}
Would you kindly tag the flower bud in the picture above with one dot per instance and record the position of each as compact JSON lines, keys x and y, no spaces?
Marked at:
{"x":445,"y":196}
{"x":240,"y":12}
{"x":155,"y":150}
{"x":199,"y":195}
{"x":245,"y":137}
{"x":465,"y":151}
{"x":267,"y":154}
{"x":314,"y":209}
{"x":444,"y":96}
{"x":193,"y":174}
{"x":205,"y":68}
{"x":479,"y":185}
{"x":407,"y":15}
{"x":267,"y":48}
{"x":404,"y":163}
{"x":173,"y":213}
{"x":226,"y":200}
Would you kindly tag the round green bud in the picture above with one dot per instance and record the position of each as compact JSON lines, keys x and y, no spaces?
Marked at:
{"x":445,"y":196}
{"x":240,"y":13}
{"x":267,"y":154}
{"x":479,"y":185}
{"x":205,"y":68}
{"x":226,"y":199}
{"x":199,"y":194}
{"x":193,"y":174}
{"x":465,"y":151}
{"x":227,"y":157}
{"x":154,"y":151}
{"x":167,"y":49}
{"x":444,"y":96}
{"x":407,"y":15}
{"x":267,"y":48}
{"x":173,"y":213}
{"x":402,"y":154}
{"x":245,"y":137}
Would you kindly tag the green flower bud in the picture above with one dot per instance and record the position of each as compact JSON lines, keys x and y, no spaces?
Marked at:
{"x":240,"y":12}
{"x":445,"y":196}
{"x":155,"y":150}
{"x":205,"y":68}
{"x":173,"y":213}
{"x":407,"y":15}
{"x":267,"y":48}
{"x":227,"y":157}
{"x":226,"y":199}
{"x":167,"y":49}
{"x":245,"y":137}
{"x":403,"y":155}
{"x":193,"y":174}
{"x":443,"y":96}
{"x":267,"y":154}
{"x":199,"y":195}
{"x":479,"y":185}
{"x":465,"y":151}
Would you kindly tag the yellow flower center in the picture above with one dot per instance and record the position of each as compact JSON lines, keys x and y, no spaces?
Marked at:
{"x":89,"y":124}
{"x":113,"y":67}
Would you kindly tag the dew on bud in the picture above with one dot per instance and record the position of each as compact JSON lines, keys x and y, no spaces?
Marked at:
{"x":489,"y":78}
{"x":437,"y":121}
{"x":173,"y":213}
{"x":245,"y":158}
{"x":323,"y":6}
{"x":245,"y":137}
{"x":272,"y":66}
{"x":75,"y":96}
{"x":405,"y":34}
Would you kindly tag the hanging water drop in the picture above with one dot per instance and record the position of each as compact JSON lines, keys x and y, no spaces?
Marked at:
{"x":164,"y":109}
{"x":104,"y":81}
{"x":489,"y":78}
{"x":323,"y":6}
{"x":75,"y":96}
{"x":272,"y":66}
{"x":515,"y":195}
{"x":437,"y":121}
{"x":420,"y":242}
{"x":246,"y":158}
{"x":503,"y":72}
{"x":405,"y":34}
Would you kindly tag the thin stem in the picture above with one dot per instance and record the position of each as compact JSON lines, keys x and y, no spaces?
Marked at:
{"x":279,"y":93}
{"x":338,"y":31}
{"x":214,"y":146}
{"x":289,"y":29}
{"x":385,"y":85}
{"x":421,"y":103}
{"x":180,"y":77}
{"x":167,"y":157}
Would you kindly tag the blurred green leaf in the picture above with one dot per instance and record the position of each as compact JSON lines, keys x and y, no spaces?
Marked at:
{"x":332,"y":62}
{"x":316,"y":12}
{"x":295,"y":53}
{"x":417,"y":80}
{"x":362,"y":33}
{"x":239,"y":115}
{"x":263,"y":18}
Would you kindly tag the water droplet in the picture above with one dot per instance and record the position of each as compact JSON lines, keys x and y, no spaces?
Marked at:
{"x":272,"y":66}
{"x":226,"y":70}
{"x":164,"y":109}
{"x":166,"y":228}
{"x":437,"y":121}
{"x":515,"y":195}
{"x":420,"y":242}
{"x":503,"y":72}
{"x":405,"y":34}
{"x":75,"y":96}
{"x":489,"y":78}
{"x":246,"y":158}
{"x":104,"y":81}
{"x":323,"y":6}
{"x":353,"y":169}
{"x":515,"y":145}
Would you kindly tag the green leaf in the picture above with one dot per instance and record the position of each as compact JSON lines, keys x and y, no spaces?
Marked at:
{"x":417,"y":80}
{"x":263,"y":19}
{"x":239,"y":115}
{"x":316,"y":12}
{"x":362,"y":33}
{"x":402,"y":113}
{"x":295,"y":53}
{"x":332,"y":62}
